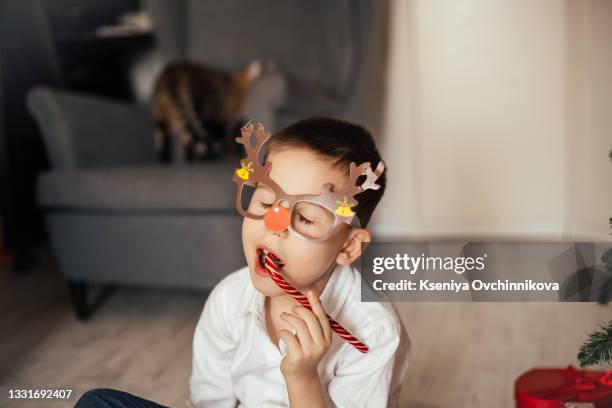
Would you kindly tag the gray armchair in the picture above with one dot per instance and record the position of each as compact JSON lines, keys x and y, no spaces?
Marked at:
{"x":116,"y":216}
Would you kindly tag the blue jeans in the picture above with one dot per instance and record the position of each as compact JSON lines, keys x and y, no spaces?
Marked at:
{"x":110,"y":398}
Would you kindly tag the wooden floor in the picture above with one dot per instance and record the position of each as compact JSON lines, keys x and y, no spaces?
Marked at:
{"x":463,"y":354}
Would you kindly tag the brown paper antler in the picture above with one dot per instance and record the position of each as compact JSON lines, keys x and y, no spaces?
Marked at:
{"x":253,"y":151}
{"x":372,"y":176}
{"x":351,"y":189}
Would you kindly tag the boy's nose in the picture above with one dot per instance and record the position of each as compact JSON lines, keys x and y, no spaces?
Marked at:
{"x":277,"y":218}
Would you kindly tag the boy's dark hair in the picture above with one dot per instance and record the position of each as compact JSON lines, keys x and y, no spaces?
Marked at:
{"x":343,"y":143}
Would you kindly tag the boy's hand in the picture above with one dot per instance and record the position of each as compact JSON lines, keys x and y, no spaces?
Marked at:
{"x":312,"y":340}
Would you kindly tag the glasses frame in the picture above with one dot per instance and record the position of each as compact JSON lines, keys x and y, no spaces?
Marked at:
{"x":339,"y":202}
{"x":291,"y":200}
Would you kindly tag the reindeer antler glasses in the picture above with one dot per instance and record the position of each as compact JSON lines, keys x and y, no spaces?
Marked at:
{"x":311,"y":217}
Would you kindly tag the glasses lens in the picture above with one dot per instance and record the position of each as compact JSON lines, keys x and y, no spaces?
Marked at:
{"x":256,"y":198}
{"x":312,"y":220}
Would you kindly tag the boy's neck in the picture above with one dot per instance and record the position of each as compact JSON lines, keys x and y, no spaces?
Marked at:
{"x":282,"y":302}
{"x":273,"y":306}
{"x":285,"y":302}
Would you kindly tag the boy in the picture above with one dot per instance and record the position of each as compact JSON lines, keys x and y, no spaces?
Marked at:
{"x":257,"y":346}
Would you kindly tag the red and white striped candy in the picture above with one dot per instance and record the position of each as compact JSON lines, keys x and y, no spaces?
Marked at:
{"x":273,"y":269}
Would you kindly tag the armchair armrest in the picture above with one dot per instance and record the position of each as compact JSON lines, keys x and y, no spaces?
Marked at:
{"x":89,"y":131}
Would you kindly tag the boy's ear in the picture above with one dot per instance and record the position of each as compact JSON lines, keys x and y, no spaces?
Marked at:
{"x":351,"y":250}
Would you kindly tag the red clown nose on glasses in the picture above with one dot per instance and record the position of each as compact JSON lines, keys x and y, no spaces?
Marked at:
{"x":277,"y":218}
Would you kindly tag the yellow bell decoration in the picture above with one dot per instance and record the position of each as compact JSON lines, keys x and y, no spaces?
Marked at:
{"x":243,"y":172}
{"x":344,"y":209}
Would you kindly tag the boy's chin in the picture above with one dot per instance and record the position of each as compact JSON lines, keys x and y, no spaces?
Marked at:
{"x":265,"y":286}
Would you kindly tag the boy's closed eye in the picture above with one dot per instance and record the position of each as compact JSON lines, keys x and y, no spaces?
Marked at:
{"x":265,"y":205}
{"x":314,"y":214}
{"x":305,"y":220}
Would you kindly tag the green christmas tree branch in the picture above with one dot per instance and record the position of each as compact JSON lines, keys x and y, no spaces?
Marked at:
{"x":598,"y":348}
{"x":605,"y":293}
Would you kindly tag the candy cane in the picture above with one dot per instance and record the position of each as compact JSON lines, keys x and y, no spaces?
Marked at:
{"x":273,"y":269}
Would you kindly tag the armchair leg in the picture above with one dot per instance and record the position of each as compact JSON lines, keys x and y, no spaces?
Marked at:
{"x":23,"y":261}
{"x":78,"y":294}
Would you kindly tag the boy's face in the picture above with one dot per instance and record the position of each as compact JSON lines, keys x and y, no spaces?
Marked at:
{"x":307,"y":265}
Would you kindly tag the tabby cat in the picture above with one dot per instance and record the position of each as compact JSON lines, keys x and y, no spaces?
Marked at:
{"x":197,"y":110}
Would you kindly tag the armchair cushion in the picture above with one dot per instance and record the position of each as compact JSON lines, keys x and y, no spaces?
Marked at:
{"x":89,"y":131}
{"x":198,"y":187}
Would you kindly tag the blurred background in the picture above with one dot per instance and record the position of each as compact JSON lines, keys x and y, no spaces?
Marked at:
{"x":492,"y":116}
{"x":496,"y":119}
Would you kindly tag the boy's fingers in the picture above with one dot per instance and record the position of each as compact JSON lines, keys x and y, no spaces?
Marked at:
{"x":316,"y":332}
{"x":317,"y":309}
{"x":300,"y":326}
{"x":293,"y":346}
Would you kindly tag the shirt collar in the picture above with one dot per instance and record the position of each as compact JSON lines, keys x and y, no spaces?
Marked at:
{"x":332,"y":298}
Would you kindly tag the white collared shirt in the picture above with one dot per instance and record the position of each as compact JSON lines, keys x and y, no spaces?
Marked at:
{"x":236,"y":364}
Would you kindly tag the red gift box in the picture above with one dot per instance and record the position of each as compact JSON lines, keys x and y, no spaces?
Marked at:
{"x":554,"y":388}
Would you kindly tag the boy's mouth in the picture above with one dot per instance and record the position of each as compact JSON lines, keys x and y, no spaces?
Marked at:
{"x":262,"y":252}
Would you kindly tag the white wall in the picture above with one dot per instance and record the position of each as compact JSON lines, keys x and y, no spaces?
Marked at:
{"x":497,"y":120}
